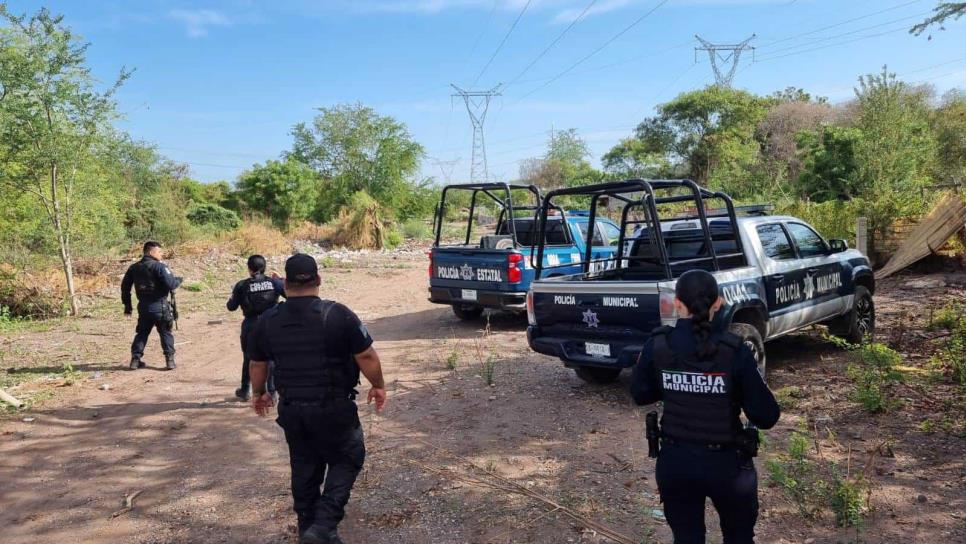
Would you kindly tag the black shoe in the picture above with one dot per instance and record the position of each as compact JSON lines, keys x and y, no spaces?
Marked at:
{"x":242,"y":393}
{"x":169,"y":363}
{"x":334,"y":537}
{"x":136,"y":363}
{"x":315,"y":535}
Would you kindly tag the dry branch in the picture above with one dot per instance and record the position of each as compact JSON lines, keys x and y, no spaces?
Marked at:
{"x":128,"y":504}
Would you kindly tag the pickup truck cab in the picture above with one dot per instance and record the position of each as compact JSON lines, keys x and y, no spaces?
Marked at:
{"x":776,"y":275}
{"x":492,"y":267}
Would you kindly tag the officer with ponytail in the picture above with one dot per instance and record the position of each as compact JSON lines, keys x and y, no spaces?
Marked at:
{"x":705,"y":379}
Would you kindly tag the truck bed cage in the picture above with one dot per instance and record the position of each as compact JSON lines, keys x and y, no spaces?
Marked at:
{"x":490,"y":190}
{"x":652,"y":193}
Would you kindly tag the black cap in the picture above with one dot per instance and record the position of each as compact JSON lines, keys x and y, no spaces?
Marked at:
{"x":300,"y":269}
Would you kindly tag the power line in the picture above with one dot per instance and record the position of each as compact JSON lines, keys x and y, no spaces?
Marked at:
{"x":612,"y":39}
{"x":553,"y":43}
{"x":847,"y":21}
{"x":860,"y":38}
{"x":483,"y":29}
{"x":850,"y":33}
{"x":502,"y":43}
{"x":723,"y":77}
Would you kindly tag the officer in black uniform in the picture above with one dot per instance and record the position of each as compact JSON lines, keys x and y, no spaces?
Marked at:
{"x":319,"y":348}
{"x":153,"y":282}
{"x":254,"y":295}
{"x":705,"y":379}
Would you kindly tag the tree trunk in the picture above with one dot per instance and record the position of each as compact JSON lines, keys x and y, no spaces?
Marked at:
{"x":63,"y":240}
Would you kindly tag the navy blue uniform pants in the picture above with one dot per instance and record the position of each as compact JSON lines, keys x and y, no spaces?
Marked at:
{"x":327,"y":450}
{"x":247,"y":326}
{"x":148,"y":320}
{"x":688,"y":474}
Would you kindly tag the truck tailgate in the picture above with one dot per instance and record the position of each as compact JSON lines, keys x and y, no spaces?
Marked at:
{"x":594,"y":323}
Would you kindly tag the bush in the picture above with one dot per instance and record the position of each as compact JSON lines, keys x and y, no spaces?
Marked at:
{"x":393,"y":238}
{"x":256,"y":237}
{"x":361,"y":224}
{"x":873,"y":376}
{"x":213,"y":216}
{"x":849,"y":501}
{"x":798,"y":476}
{"x":833,"y":219}
{"x":415,"y":229}
{"x":951,"y":356}
{"x":948,"y":317}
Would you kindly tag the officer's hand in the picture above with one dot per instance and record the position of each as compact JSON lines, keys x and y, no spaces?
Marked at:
{"x":377,"y":394}
{"x":275,"y":275}
{"x":262,"y":404}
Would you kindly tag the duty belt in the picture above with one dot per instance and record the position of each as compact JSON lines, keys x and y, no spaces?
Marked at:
{"x":710,"y":447}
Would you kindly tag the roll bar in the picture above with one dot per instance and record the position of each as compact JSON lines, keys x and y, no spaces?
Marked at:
{"x":487,"y":189}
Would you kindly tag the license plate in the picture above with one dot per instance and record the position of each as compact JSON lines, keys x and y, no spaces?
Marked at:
{"x":597,"y":350}
{"x":469,"y":294}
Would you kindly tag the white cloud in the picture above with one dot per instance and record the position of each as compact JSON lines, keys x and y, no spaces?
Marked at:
{"x":198,"y":21}
{"x":568,"y":15}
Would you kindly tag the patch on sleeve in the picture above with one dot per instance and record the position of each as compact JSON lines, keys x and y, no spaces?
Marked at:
{"x":167,"y":270}
{"x":363,"y":330}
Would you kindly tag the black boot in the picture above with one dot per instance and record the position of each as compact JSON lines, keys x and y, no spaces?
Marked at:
{"x":315,"y":535}
{"x":242,"y":393}
{"x":136,"y":363}
{"x":169,"y":362}
{"x":334,"y":537}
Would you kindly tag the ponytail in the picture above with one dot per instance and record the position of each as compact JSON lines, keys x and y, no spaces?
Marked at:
{"x":698,"y":291}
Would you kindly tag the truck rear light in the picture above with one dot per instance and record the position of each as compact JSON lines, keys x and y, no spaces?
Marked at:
{"x":514,"y":268}
{"x":430,"y":255}
{"x":531,"y":315}
{"x":668,"y":313}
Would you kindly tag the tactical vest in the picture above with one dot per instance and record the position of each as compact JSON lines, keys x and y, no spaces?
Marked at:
{"x":258,"y":295}
{"x":145,"y":280}
{"x":699,"y":401}
{"x":305,"y":367}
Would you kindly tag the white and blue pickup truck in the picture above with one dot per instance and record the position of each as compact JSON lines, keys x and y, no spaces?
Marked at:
{"x":491,"y":267}
{"x":776,"y":275}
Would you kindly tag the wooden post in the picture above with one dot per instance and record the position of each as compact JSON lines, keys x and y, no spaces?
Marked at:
{"x":862,"y":235}
{"x":10,"y":399}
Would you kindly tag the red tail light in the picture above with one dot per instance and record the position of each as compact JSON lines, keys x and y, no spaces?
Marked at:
{"x":430,"y":255}
{"x":514,"y":268}
{"x":668,"y":313}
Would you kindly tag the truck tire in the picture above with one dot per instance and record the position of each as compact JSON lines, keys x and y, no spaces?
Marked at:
{"x":596,"y":374}
{"x":858,"y":324}
{"x":752,"y":338}
{"x":467,"y":313}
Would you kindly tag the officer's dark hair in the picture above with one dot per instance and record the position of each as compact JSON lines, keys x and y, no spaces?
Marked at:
{"x":149,"y":245}
{"x":698,"y":291}
{"x":256,"y":263}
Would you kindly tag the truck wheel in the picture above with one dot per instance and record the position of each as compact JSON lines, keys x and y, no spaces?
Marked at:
{"x":752,"y":338}
{"x":467,"y":313}
{"x":593,"y":374}
{"x":858,"y":324}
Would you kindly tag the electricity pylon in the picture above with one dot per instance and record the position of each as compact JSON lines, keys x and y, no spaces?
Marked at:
{"x":446,"y":168}
{"x":477,"y":104}
{"x":723,"y":54}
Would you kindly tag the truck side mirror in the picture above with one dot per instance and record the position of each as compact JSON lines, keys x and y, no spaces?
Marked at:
{"x":838,"y":245}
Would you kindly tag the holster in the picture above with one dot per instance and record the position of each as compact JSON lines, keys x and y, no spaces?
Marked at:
{"x":748,"y":441}
{"x":653,"y":433}
{"x":167,"y":313}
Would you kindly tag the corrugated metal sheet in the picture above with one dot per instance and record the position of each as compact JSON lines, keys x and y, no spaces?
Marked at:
{"x":932,"y":232}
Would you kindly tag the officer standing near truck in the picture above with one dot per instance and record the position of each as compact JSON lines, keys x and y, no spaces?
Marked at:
{"x":319,"y":348}
{"x":255,"y":295}
{"x":153,"y":282}
{"x":705,"y":379}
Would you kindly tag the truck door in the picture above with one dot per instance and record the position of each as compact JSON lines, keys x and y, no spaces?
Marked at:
{"x":821,"y":274}
{"x":780,"y":274}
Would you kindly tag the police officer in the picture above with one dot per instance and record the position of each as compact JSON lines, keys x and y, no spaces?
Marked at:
{"x":254,"y":295}
{"x":705,"y":379}
{"x":153,"y":282}
{"x":319,"y":348}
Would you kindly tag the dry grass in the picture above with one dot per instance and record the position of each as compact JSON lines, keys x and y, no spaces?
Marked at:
{"x":256,"y":237}
{"x":311,"y":232}
{"x":360,"y":225}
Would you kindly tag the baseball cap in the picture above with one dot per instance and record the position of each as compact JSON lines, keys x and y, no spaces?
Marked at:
{"x":301,"y":268}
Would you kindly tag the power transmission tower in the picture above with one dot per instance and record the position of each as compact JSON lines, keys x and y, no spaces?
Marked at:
{"x":723,"y":54}
{"x":477,"y":104}
{"x":446,"y":168}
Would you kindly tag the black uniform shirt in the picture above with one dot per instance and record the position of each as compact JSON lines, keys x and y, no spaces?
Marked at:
{"x":238,"y":292}
{"x":164,"y":282}
{"x":345,"y":334}
{"x":750,"y":390}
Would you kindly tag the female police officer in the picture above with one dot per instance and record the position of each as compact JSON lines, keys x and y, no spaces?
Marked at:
{"x":705,"y":379}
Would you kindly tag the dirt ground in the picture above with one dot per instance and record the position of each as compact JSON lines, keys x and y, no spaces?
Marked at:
{"x":452,"y":459}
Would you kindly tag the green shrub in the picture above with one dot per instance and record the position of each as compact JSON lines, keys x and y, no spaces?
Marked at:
{"x":873,"y":375}
{"x":213,"y":216}
{"x":947,"y":317}
{"x":193,"y":286}
{"x":951,"y":356}
{"x":833,"y":219}
{"x":415,"y":229}
{"x":393,"y":238}
{"x":799,"y":477}
{"x":849,"y":500}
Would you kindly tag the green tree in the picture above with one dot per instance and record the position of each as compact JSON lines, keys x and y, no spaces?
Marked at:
{"x":285,"y":191}
{"x":353,"y":149}
{"x":707,"y":135}
{"x":52,"y":116}
{"x":830,"y":168}
{"x":943,"y":12}
{"x":949,"y":125}
{"x":563,"y":165}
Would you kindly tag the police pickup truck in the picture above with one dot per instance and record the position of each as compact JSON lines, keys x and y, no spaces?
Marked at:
{"x":492,"y":267}
{"x":776,"y":275}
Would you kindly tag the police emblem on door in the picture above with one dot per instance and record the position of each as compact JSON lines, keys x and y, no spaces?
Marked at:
{"x":590,"y":319}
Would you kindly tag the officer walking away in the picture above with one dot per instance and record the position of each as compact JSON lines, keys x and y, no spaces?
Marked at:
{"x":153,"y":282}
{"x":319,"y":348}
{"x":254,"y":295}
{"x":705,"y":379}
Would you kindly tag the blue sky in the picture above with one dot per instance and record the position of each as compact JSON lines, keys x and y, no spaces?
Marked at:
{"x":219,"y":84}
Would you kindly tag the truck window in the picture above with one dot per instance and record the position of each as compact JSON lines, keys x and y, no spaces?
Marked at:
{"x":809,"y":243}
{"x":611,"y":233}
{"x":775,"y":242}
{"x":556,"y":233}
{"x":597,"y":240}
